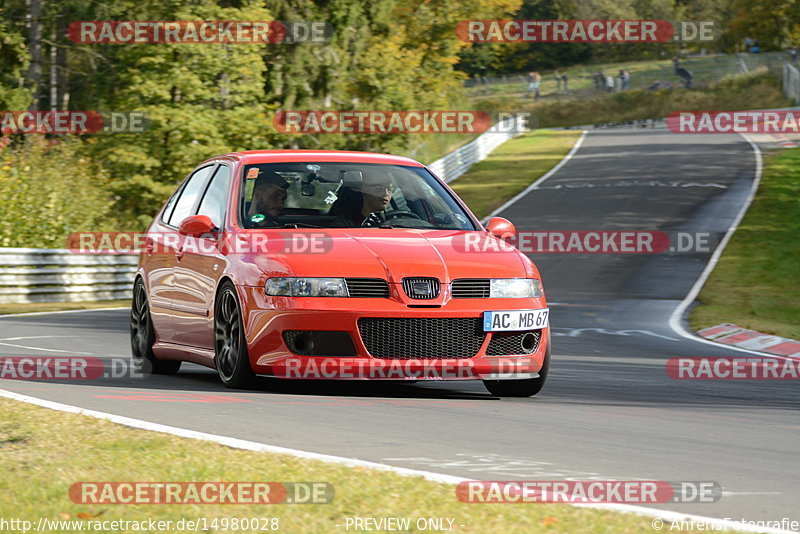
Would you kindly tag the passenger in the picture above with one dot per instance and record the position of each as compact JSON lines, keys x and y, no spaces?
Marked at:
{"x":367,"y":205}
{"x":269,"y":199}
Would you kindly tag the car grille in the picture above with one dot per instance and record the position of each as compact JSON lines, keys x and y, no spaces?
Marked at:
{"x":424,"y":337}
{"x":471,"y":288}
{"x":367,"y":287}
{"x":508,"y":343}
{"x":421,"y":288}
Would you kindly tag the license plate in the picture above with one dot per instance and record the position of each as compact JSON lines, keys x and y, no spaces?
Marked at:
{"x":504,"y":321}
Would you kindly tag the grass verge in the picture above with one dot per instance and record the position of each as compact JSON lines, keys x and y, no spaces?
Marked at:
{"x":757,"y":280}
{"x":45,"y":452}
{"x":757,"y":91}
{"x":511,"y":168}
{"x":6,"y":309}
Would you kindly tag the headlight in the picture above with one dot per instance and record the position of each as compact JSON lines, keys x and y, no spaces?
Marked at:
{"x":307,"y":287}
{"x":515,"y":288}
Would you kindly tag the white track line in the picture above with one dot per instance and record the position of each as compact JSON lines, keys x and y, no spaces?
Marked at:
{"x":26,"y":347}
{"x":549,"y":173}
{"x":64,"y":311}
{"x":676,"y":319}
{"x":677,"y":314}
{"x":236,"y":443}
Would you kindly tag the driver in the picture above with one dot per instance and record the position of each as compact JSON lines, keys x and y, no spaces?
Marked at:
{"x":375,"y":195}
{"x":269,"y":199}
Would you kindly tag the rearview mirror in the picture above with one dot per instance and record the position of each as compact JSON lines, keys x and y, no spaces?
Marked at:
{"x":197,"y":226}
{"x":351,"y":179}
{"x":500,"y":227}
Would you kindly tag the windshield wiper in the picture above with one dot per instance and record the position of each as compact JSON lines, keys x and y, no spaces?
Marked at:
{"x":300,"y":225}
{"x":405,"y":227}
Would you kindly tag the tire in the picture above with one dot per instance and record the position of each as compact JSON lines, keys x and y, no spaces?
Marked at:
{"x":143,"y":336}
{"x":230,"y":347}
{"x":527,"y":387}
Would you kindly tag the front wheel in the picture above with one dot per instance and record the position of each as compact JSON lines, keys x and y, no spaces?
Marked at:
{"x":230,"y":348}
{"x":527,"y":387}
{"x":143,"y":336}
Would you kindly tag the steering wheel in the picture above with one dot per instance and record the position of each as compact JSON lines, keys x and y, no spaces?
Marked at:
{"x":400,"y":214}
{"x":379,"y":219}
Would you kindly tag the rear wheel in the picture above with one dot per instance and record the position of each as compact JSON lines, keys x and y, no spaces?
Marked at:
{"x":230,"y":348}
{"x":527,"y":387}
{"x":143,"y":336}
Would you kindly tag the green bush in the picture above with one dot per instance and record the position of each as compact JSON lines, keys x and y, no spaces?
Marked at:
{"x":49,"y":189}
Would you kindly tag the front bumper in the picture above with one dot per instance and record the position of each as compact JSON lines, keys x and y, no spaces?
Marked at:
{"x":267,"y":318}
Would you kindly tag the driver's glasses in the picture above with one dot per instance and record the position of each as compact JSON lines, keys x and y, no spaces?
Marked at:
{"x":379,"y":189}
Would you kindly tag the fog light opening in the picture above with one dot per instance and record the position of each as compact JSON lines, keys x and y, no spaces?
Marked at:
{"x":528,"y":342}
{"x":303,"y":344}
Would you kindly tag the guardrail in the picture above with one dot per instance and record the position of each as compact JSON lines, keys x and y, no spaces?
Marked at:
{"x":460,"y":160}
{"x":55,"y":275}
{"x":791,"y":82}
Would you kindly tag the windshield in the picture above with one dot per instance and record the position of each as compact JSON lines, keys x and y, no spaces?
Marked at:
{"x":347,"y":195}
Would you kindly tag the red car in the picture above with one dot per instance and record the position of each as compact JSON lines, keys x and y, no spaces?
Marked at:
{"x":325,"y":264}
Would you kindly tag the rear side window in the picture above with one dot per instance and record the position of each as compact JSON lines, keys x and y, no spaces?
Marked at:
{"x":215,"y":199}
{"x":188,"y":199}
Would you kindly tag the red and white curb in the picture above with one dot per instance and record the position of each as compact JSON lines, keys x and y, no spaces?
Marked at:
{"x":784,"y":141}
{"x":731,"y":334}
{"x":776,"y":139}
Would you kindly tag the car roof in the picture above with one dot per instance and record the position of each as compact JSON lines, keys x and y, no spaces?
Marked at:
{"x":250,"y":157}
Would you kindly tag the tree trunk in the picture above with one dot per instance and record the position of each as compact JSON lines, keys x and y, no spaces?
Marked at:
{"x":34,"y":23}
{"x":53,"y":70}
{"x":61,"y":61}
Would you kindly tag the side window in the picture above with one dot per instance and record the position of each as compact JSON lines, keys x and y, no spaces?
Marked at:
{"x":189,"y":196}
{"x":170,"y":205}
{"x":215,"y":199}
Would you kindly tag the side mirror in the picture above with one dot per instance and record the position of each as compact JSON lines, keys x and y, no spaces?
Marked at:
{"x":500,"y":227}
{"x":197,"y":226}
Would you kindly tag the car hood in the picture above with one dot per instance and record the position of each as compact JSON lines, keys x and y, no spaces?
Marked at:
{"x":392,"y":254}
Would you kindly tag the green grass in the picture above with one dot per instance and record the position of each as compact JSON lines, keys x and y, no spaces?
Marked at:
{"x":512,"y":167}
{"x":756,"y":283}
{"x":45,"y":452}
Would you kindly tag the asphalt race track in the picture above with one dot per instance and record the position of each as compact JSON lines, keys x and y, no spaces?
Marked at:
{"x":609,"y":410}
